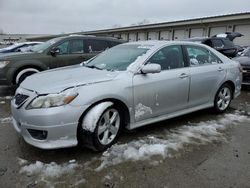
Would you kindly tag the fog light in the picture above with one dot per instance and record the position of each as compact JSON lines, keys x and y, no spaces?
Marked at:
{"x":38,"y":134}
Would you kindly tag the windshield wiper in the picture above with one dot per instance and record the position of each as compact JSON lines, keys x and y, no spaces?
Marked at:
{"x":93,"y":67}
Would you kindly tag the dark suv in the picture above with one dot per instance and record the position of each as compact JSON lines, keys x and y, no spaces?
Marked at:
{"x":57,"y":52}
{"x":221,"y":44}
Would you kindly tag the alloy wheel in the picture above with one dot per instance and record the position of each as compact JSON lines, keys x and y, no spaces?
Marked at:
{"x":224,"y":98}
{"x":108,"y":126}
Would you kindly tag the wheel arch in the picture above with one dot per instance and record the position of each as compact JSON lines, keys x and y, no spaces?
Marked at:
{"x":39,"y":68}
{"x":120,"y":104}
{"x":232,"y":85}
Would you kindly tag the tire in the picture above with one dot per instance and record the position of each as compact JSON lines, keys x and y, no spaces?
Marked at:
{"x":101,"y":126}
{"x":24,"y":73}
{"x":223,"y":98}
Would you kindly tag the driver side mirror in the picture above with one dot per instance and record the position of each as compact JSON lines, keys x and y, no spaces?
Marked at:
{"x":151,"y":68}
{"x":54,"y":51}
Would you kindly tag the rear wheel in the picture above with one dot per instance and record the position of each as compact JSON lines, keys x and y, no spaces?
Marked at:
{"x":106,"y":121}
{"x":223,"y":98}
{"x":21,"y":75}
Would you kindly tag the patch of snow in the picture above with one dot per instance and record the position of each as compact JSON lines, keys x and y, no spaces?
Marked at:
{"x":134,"y":66}
{"x":80,"y":182}
{"x":194,"y":134}
{"x":48,"y":170}
{"x":90,"y":120}
{"x":72,"y":161}
{"x":21,"y":161}
{"x":141,"y":110}
{"x":6,"y":120}
{"x":138,"y":63}
{"x":223,"y":35}
{"x":8,"y":97}
{"x":146,"y":46}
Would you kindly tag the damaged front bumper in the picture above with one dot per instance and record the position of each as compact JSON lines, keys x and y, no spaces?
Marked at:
{"x":48,"y":128}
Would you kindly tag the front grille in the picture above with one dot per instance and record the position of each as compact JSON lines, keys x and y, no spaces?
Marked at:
{"x":20,"y":99}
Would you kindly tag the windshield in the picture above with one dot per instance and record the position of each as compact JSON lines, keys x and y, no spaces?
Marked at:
{"x":117,"y":58}
{"x":41,"y":47}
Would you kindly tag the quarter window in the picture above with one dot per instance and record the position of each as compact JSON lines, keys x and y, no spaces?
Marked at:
{"x":199,"y":56}
{"x":168,"y":57}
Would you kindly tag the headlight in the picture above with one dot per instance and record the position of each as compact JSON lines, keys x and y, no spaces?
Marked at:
{"x":3,"y":64}
{"x":53,"y":100}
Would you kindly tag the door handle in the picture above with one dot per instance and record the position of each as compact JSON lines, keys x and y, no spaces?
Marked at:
{"x":183,"y":75}
{"x":220,"y":69}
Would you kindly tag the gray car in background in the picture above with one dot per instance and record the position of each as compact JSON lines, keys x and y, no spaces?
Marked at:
{"x":127,"y":86}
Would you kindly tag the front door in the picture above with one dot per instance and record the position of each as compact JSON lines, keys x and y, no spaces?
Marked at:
{"x":164,"y":92}
{"x":71,"y":52}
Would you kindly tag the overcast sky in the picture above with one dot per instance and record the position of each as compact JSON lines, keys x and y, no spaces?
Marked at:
{"x":58,"y":16}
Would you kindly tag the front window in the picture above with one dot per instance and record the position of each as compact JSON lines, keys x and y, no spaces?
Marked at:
{"x":118,"y":58}
{"x":169,"y":57}
{"x":63,"y":47}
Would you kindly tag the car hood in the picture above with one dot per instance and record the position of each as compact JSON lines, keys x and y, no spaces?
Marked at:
{"x":243,"y":60}
{"x":57,"y":80}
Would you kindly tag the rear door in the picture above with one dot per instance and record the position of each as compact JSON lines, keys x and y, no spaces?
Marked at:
{"x":206,"y":74}
{"x":164,"y":92}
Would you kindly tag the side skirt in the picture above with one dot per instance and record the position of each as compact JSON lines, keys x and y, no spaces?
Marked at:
{"x":168,"y":116}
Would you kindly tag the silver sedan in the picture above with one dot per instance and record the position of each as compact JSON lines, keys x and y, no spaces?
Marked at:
{"x":127,"y":86}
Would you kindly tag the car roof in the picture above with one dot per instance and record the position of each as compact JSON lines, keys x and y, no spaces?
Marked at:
{"x":205,"y":38}
{"x":160,"y":43}
{"x":91,"y":36}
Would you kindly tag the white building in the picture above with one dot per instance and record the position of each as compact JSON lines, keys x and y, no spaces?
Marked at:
{"x":178,"y":30}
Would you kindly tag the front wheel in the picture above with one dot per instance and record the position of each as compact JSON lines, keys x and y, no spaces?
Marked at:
{"x":223,"y":98}
{"x":101,"y":126}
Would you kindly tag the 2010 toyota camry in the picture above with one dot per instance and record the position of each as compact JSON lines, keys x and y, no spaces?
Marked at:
{"x":127,"y":86}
